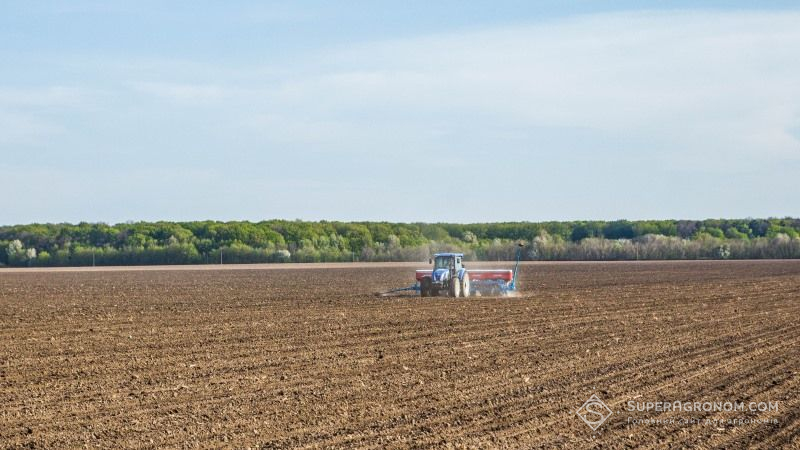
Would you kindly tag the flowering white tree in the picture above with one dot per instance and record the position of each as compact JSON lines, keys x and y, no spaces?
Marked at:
{"x":17,"y":253}
{"x":14,"y":248}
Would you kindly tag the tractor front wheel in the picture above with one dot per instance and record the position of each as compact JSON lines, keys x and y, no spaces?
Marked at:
{"x":455,"y":288}
{"x":465,"y":286}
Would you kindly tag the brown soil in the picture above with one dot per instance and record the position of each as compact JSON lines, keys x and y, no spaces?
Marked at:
{"x":310,"y":357}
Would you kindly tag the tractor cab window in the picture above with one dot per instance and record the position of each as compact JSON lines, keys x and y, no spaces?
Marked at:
{"x":442,"y":262}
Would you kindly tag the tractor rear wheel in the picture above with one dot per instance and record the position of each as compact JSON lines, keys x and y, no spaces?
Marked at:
{"x":465,"y":286}
{"x":425,"y":287}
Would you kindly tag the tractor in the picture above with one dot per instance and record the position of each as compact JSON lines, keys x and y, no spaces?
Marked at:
{"x":448,"y":276}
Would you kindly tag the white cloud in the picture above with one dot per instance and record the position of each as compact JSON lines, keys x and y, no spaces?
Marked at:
{"x":570,"y":112}
{"x":28,"y":115}
{"x":49,"y":96}
{"x":183,"y":92}
{"x":25,"y":129}
{"x":705,"y":85}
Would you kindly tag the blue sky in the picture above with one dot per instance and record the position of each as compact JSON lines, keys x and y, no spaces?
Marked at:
{"x":399,"y":111}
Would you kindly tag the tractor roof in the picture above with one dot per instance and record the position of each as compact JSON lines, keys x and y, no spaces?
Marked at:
{"x":449,"y":254}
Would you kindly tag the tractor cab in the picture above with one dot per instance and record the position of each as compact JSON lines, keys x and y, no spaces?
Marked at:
{"x":450,"y":261}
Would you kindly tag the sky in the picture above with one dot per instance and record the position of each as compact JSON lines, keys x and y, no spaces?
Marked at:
{"x":444,"y":111}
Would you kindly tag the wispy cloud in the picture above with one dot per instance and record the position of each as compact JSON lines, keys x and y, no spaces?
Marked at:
{"x":27,"y":114}
{"x":25,"y":129}
{"x":184,"y":92}
{"x":48,"y":96}
{"x":588,"y":104}
{"x":701,"y":84}
{"x":711,"y":86}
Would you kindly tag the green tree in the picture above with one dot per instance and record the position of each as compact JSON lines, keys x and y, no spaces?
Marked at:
{"x":619,"y":229}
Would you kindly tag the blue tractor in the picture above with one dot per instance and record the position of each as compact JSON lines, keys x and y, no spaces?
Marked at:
{"x":448,"y":277}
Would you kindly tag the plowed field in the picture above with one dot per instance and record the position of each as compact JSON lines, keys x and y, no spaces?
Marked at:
{"x":308,"y":356}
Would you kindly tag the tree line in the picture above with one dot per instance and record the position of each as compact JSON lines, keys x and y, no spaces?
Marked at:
{"x":213,"y":242}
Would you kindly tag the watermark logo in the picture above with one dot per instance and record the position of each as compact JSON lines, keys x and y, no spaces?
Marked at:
{"x":594,"y":412}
